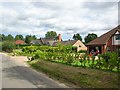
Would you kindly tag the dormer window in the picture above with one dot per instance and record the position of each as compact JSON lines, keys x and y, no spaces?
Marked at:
{"x":118,"y":37}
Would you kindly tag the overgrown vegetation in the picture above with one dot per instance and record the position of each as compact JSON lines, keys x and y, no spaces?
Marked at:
{"x":64,"y":55}
{"x":8,"y":46}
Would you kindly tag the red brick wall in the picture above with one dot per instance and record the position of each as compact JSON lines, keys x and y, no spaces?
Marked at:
{"x":109,"y":44}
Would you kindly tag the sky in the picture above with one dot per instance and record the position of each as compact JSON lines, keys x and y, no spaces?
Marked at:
{"x":66,"y":17}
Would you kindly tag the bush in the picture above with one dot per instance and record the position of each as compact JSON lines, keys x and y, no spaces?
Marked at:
{"x":8,"y":46}
{"x":82,"y":51}
{"x":0,"y":46}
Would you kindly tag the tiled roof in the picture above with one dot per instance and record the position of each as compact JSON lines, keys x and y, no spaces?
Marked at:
{"x":19,"y":42}
{"x":69,"y":42}
{"x":105,"y":37}
{"x":46,"y":41}
{"x":35,"y":42}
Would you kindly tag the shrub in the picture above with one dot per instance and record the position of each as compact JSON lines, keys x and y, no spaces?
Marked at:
{"x":8,"y":46}
{"x":82,"y":51}
{"x":0,"y":46}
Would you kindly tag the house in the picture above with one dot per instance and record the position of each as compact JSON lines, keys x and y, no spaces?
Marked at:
{"x":19,"y":42}
{"x":76,"y":43}
{"x":43,"y":41}
{"x":107,"y":42}
{"x":46,"y":41}
{"x":36,"y":42}
{"x":54,"y":42}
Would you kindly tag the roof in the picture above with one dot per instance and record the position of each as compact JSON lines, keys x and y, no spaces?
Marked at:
{"x":46,"y":41}
{"x":19,"y":42}
{"x":69,"y":42}
{"x":105,"y":37}
{"x":35,"y":42}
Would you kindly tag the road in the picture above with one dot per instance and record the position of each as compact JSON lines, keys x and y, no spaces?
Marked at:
{"x":18,"y":75}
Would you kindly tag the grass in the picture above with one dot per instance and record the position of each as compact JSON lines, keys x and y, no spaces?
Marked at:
{"x":77,"y":76}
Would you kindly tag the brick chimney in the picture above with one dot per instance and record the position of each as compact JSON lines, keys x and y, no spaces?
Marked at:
{"x":59,"y":37}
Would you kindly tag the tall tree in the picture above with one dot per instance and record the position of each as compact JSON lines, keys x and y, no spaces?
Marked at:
{"x":90,"y":37}
{"x":19,"y":37}
{"x":4,"y":37}
{"x":77,"y":37}
{"x":51,"y":34}
{"x":29,"y":38}
{"x":10,"y":37}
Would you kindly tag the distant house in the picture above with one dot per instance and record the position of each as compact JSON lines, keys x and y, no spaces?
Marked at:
{"x":76,"y":43}
{"x":43,"y":41}
{"x":19,"y":42}
{"x":109,"y":41}
{"x":46,"y":41}
{"x":54,"y":42}
{"x":36,"y":42}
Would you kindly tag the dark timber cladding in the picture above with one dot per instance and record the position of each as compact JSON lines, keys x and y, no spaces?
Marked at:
{"x":106,"y":41}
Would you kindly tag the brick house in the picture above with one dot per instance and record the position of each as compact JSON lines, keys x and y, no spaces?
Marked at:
{"x":107,"y":42}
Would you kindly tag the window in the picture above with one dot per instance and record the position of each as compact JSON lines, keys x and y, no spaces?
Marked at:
{"x":118,"y":37}
{"x":108,"y":48}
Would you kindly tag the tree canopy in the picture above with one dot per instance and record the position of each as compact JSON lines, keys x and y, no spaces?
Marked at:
{"x":29,"y":38}
{"x":19,"y":37}
{"x":90,"y":37}
{"x":77,"y":37}
{"x":51,"y":34}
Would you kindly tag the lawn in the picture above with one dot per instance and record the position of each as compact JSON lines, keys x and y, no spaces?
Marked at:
{"x":77,"y":76}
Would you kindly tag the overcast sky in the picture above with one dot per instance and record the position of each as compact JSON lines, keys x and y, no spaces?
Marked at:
{"x":66,"y":17}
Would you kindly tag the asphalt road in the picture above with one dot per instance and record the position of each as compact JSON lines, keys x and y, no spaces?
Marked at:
{"x":17,"y":75}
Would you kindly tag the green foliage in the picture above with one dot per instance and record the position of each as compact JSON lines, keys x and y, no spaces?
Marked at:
{"x":51,"y":34}
{"x":0,"y":46}
{"x":77,"y":37}
{"x":17,"y":52}
{"x":29,"y":38}
{"x":8,"y":37}
{"x":82,"y":51}
{"x":64,"y":54}
{"x":19,"y":37}
{"x":90,"y":37}
{"x":8,"y":46}
{"x":70,"y":59}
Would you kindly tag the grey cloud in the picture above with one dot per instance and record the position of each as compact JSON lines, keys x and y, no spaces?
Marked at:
{"x":99,"y":5}
{"x":48,"y":5}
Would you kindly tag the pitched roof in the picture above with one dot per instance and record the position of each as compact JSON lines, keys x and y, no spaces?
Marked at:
{"x":35,"y":42}
{"x":69,"y":42}
{"x":46,"y":41}
{"x":19,"y":42}
{"x":105,"y":37}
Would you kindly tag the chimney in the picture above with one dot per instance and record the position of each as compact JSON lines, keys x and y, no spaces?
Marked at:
{"x":59,"y":37}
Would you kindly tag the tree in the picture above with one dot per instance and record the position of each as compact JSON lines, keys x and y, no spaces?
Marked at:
{"x":10,"y":37}
{"x":0,"y":37}
{"x":19,"y":37}
{"x":77,"y":37}
{"x":29,"y":38}
{"x":90,"y":37}
{"x":51,"y":34}
{"x":3,"y":37}
{"x":8,"y":46}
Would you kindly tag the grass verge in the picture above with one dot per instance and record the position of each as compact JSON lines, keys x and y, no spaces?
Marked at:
{"x":77,"y":76}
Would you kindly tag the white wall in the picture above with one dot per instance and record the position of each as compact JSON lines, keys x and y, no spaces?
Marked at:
{"x":114,"y":41}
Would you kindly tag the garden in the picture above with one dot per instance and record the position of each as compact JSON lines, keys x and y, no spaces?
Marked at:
{"x":67,"y":55}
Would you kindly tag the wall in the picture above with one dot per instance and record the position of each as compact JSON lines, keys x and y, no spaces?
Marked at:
{"x":114,"y":41}
{"x":80,"y":46}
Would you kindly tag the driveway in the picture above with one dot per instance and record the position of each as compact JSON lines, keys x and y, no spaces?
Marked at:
{"x":16,"y":74}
